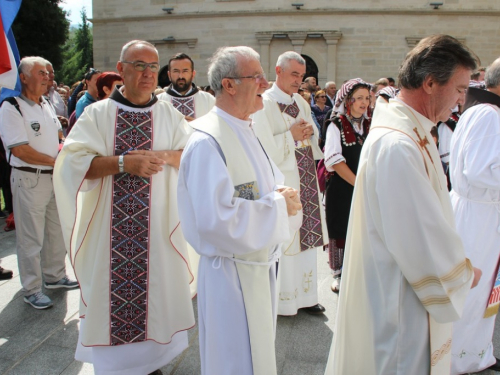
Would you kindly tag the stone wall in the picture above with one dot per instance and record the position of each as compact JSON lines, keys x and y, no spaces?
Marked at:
{"x":368,"y":40}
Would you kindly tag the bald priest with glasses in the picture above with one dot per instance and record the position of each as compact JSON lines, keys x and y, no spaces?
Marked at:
{"x":116,"y":184}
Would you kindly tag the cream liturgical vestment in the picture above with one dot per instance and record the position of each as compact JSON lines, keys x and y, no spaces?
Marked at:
{"x":195,"y":103}
{"x":405,"y":276}
{"x":298,"y":265}
{"x":124,"y":240}
{"x":236,"y":222}
{"x":475,"y":175}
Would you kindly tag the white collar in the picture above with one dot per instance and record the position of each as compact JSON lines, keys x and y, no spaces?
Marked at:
{"x":426,"y":123}
{"x":244,"y":124}
{"x":279,"y":95}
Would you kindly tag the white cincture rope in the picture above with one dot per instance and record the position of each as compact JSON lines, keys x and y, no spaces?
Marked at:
{"x":273,"y":259}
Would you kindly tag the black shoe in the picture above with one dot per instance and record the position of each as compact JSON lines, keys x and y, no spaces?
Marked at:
{"x":157,"y":372}
{"x":315,"y":310}
{"x":495,"y":366}
{"x":5,"y":274}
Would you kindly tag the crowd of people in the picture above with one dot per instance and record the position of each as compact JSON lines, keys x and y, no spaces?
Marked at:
{"x":228,"y":192}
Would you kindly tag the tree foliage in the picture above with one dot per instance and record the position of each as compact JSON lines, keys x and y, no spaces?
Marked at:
{"x":78,"y":53}
{"x":41,"y":29}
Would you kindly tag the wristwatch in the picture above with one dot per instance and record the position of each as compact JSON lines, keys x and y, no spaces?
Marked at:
{"x":120,"y":164}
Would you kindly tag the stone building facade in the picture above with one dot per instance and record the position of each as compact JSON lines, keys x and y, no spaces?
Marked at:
{"x":339,"y":39}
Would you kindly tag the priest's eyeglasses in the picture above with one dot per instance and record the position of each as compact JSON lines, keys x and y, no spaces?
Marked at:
{"x":141,"y":66}
{"x":258,"y":77}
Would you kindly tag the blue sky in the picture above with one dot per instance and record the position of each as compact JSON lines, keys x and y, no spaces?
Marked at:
{"x":74,"y":6}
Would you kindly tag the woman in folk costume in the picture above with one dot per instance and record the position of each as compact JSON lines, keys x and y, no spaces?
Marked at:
{"x":343,"y":143}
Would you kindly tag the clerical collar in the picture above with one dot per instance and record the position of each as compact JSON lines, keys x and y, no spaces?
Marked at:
{"x":480,"y":96}
{"x":279,"y":95}
{"x":117,"y":96}
{"x":173,"y":92}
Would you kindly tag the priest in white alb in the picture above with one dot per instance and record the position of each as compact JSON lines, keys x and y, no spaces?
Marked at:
{"x":288,"y":134}
{"x":235,"y":214}
{"x":475,"y":176}
{"x":405,"y":275}
{"x":116,"y":182}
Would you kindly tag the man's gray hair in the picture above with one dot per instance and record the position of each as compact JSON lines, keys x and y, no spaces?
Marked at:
{"x":492,"y":76}
{"x":437,"y":56}
{"x":285,"y":58}
{"x":224,"y":64}
{"x":126,"y":47}
{"x":27,"y":64}
{"x":328,"y":84}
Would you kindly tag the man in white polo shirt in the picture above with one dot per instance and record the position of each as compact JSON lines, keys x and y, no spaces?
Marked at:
{"x":29,"y":130}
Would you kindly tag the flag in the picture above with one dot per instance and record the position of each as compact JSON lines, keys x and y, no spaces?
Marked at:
{"x":9,"y":55}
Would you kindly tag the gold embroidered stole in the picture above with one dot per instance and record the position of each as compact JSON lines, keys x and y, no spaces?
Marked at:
{"x":440,"y":333}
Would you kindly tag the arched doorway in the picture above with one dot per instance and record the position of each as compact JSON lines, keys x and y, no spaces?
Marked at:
{"x":311,"y":68}
{"x":163,"y":80}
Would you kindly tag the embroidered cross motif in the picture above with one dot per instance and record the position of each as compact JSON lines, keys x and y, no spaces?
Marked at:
{"x":184,"y":105}
{"x":291,"y":110}
{"x":422,"y":142}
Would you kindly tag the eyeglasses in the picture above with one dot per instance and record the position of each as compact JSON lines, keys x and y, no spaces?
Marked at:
{"x":141,"y":66}
{"x":321,"y":96}
{"x":258,"y":77}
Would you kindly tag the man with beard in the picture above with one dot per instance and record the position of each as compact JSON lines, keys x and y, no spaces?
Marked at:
{"x":311,"y":86}
{"x":182,"y":92}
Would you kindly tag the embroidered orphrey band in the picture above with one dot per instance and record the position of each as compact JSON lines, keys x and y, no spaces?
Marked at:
{"x":130,"y":235}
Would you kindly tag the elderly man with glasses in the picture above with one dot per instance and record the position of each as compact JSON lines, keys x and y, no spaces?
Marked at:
{"x":116,"y":178}
{"x":236,"y":216}
{"x":29,"y":129}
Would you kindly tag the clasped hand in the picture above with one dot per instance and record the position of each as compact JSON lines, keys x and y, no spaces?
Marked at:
{"x":292,"y":199}
{"x":301,"y":130}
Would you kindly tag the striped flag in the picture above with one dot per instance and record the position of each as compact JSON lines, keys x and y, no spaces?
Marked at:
{"x":9,"y":55}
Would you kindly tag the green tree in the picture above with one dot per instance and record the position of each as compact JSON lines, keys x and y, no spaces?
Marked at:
{"x":41,"y":29}
{"x":78,"y":52}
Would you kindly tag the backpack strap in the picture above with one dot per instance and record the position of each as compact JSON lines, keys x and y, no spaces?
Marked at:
{"x":12,"y":100}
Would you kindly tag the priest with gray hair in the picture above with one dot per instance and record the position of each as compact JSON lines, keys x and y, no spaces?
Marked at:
{"x":236,"y":213}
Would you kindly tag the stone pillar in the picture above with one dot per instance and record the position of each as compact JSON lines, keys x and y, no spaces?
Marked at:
{"x":264,"y":39}
{"x":331,"y":38}
{"x":298,"y":38}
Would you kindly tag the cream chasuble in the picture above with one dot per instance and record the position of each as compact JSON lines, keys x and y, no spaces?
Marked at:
{"x":405,"y":274}
{"x":122,"y":231}
{"x":297,"y":271}
{"x":195,"y":104}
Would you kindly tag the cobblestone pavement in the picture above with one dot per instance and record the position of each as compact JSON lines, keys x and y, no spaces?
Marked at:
{"x":39,"y":342}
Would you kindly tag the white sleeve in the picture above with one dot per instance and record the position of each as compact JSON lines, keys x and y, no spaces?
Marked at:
{"x":481,"y":152}
{"x":12,"y":128}
{"x":411,"y":221}
{"x":230,"y":225}
{"x":333,"y":148}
